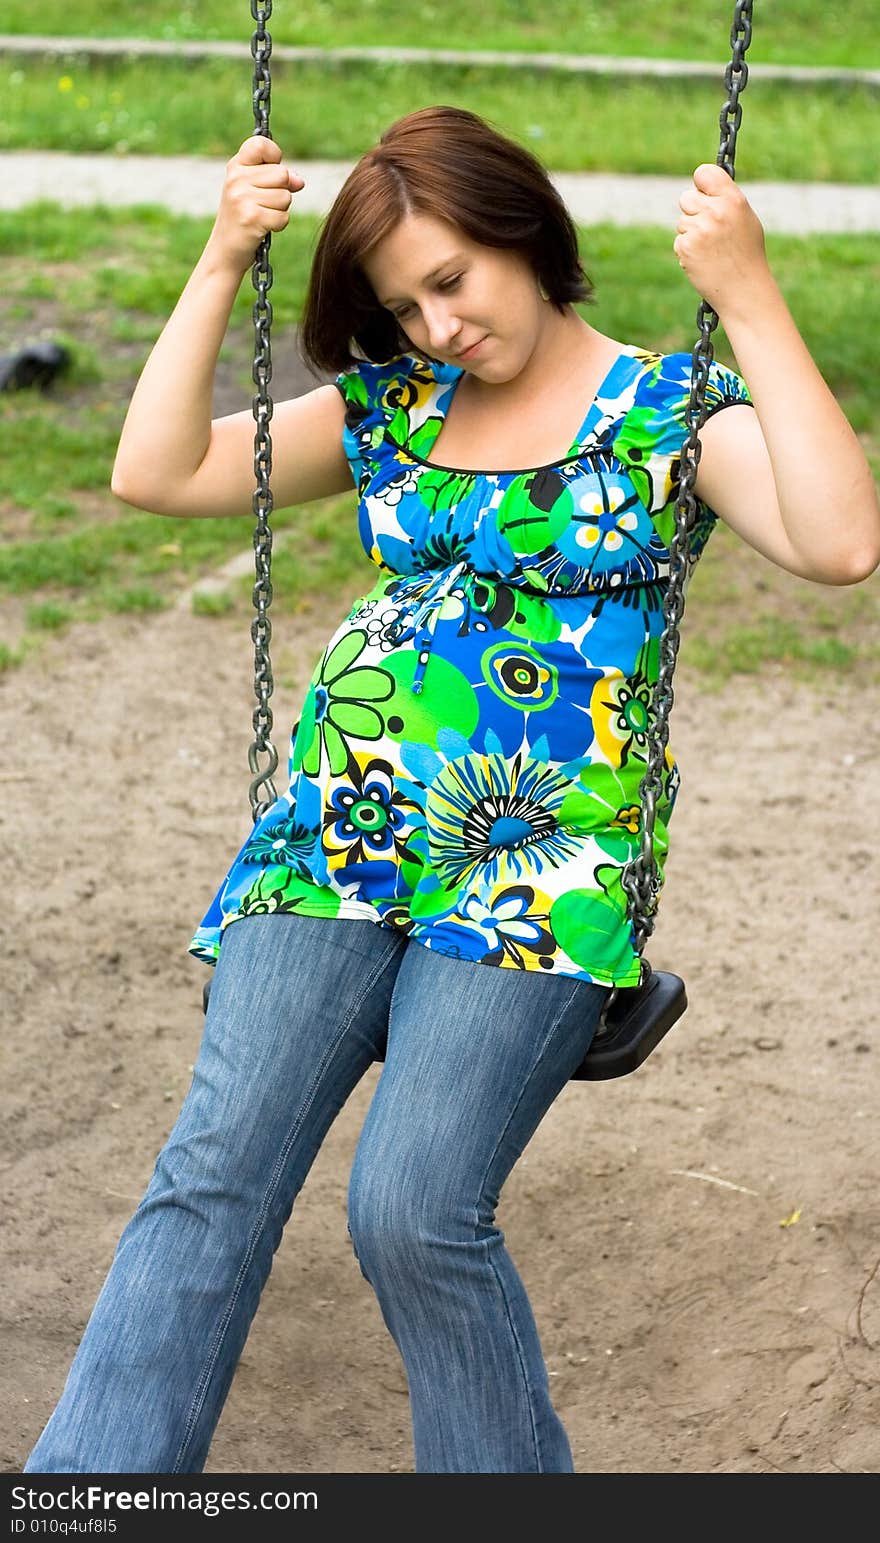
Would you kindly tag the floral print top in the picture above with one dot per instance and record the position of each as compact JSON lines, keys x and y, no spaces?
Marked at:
{"x":467,"y":761}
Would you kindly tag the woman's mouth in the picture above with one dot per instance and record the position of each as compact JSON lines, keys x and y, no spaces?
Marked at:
{"x":470,"y":352}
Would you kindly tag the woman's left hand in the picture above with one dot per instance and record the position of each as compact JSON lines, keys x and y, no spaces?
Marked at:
{"x":720,"y":241}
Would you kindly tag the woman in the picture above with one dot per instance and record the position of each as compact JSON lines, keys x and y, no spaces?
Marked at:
{"x":465,"y":770}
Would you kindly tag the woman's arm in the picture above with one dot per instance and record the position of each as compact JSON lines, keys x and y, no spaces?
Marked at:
{"x":167,"y":430}
{"x":795,"y":484}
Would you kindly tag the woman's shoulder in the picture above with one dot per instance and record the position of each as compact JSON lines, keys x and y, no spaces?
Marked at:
{"x":652,"y":419}
{"x":396,"y":396}
{"x":368,"y":381}
{"x":662,"y":385}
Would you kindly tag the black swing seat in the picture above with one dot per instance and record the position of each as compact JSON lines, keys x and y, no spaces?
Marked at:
{"x":632,"y":1025}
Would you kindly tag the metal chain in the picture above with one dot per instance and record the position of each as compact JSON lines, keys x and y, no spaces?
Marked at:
{"x":640,"y":877}
{"x":261,"y":626}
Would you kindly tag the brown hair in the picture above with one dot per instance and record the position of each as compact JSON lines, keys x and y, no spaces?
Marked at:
{"x":449,"y":163}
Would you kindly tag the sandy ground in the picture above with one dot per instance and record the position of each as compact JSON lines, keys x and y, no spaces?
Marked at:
{"x":700,"y":1240}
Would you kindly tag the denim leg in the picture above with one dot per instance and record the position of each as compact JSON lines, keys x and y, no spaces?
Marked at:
{"x":298,"y":1009}
{"x":476,"y":1055}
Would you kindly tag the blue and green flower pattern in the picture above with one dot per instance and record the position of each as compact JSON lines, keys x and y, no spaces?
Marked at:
{"x":467,"y":761}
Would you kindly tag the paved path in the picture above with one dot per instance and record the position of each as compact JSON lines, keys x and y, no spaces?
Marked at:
{"x":192,"y":184}
{"x":588,"y":64}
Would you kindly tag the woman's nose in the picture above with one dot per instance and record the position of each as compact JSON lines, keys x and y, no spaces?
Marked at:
{"x":442,"y":325}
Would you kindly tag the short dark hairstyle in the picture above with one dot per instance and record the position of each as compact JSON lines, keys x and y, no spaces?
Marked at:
{"x":452,"y":164}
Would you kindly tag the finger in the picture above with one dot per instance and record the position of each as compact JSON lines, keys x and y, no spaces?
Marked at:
{"x":272,"y":177}
{"x":259,"y":148}
{"x":275,"y":198}
{"x":276,"y":219}
{"x":710,"y":178}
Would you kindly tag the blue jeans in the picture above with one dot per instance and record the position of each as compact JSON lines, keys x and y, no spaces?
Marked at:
{"x":300,"y":1007}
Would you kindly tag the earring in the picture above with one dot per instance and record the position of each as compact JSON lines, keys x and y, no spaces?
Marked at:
{"x":542,"y":291}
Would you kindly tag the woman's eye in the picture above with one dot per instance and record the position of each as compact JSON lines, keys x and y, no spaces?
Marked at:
{"x":447,"y":284}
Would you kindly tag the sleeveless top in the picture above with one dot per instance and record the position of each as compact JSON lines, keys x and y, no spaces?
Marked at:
{"x":467,"y":760}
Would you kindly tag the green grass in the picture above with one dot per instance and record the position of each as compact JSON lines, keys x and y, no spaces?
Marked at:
{"x":214,"y":602}
{"x":842,"y":32}
{"x":11,"y":657}
{"x":107,"y":281}
{"x":744,"y":615}
{"x":48,"y":616}
{"x":571,"y":123}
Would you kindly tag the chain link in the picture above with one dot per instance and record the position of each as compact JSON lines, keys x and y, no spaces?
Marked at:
{"x":640,"y":877}
{"x":261,"y":626}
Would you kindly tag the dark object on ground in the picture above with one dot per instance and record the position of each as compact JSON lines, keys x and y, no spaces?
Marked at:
{"x":36,"y":365}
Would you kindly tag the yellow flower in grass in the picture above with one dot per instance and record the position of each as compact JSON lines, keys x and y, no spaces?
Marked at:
{"x":65,"y":83}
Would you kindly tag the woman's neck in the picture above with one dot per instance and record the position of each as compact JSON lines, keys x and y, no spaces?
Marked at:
{"x":568,"y":348}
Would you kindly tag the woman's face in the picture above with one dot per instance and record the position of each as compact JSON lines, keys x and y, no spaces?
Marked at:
{"x":449,"y":292}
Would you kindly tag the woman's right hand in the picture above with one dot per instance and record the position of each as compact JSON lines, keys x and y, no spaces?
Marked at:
{"x":256,"y":199}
